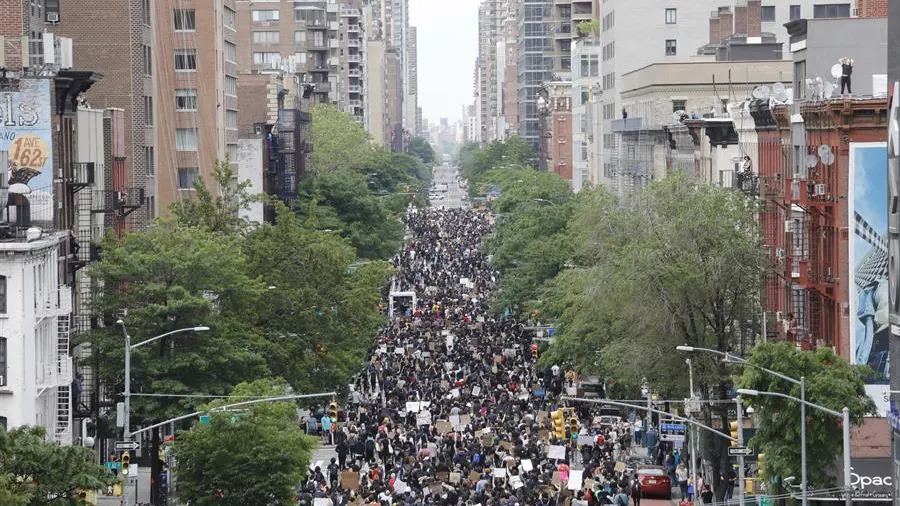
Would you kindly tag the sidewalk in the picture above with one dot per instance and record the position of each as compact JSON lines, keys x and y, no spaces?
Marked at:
{"x":143,"y":491}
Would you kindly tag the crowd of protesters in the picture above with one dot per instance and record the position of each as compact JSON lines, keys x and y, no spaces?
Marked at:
{"x":451,"y":409}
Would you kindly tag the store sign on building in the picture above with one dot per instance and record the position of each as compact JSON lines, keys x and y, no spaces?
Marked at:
{"x":870,"y":478}
{"x":26,"y":143}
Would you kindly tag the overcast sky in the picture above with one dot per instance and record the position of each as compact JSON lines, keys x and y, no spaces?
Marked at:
{"x":447,"y":47}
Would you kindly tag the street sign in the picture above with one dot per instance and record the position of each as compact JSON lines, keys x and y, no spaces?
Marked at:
{"x":127,"y":445}
{"x":669,"y":430}
{"x":739,"y":451}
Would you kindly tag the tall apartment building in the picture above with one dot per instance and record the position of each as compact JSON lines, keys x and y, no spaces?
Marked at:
{"x":352,"y":60}
{"x":586,"y":117}
{"x":507,"y":51}
{"x":566,"y":15}
{"x":196,"y":82}
{"x":389,"y":23}
{"x":533,"y":64}
{"x":116,"y":40}
{"x":298,"y":36}
{"x":375,"y":76}
{"x":412,"y":83}
{"x":489,"y":24}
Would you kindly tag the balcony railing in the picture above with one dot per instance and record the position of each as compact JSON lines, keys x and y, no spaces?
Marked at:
{"x":354,"y":58}
{"x":354,"y":89}
{"x":353,"y":28}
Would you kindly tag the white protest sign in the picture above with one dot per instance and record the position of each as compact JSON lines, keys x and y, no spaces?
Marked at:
{"x":321,"y":501}
{"x":400,"y":487}
{"x":575,"y":479}
{"x":454,"y":393}
{"x":476,"y":391}
{"x":423,"y":418}
{"x":556,"y":452}
{"x":516,"y":482}
{"x":499,"y":472}
{"x":413,"y":407}
{"x":399,"y":350}
{"x":526,"y":465}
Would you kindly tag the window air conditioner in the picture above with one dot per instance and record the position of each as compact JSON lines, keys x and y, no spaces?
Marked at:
{"x":820,"y":190}
{"x":53,"y":17}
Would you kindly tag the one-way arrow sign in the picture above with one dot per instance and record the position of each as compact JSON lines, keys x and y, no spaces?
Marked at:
{"x":127,"y":445}
{"x":739,"y":451}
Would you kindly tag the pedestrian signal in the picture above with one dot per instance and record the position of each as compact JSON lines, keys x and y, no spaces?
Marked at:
{"x":125,"y":463}
{"x":333,"y":411}
{"x":734,"y":433}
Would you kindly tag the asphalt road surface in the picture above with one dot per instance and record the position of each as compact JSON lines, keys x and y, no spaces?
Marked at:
{"x":453,"y":197}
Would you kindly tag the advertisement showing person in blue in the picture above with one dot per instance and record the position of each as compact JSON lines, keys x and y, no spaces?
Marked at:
{"x":26,"y":145}
{"x":869,"y":301}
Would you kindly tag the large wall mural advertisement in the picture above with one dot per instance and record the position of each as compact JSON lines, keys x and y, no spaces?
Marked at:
{"x":869,"y":296}
{"x":26,"y":142}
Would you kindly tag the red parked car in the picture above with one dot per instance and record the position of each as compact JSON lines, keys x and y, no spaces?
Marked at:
{"x":654,"y":482}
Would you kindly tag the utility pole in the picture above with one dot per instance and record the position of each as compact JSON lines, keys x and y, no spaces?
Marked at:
{"x":740,"y":442}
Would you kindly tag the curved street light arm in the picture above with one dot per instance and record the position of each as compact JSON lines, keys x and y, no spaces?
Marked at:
{"x":179,"y":331}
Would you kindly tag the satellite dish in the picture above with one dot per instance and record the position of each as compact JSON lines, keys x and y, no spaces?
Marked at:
{"x":811,"y":161}
{"x":761,"y":92}
{"x":824,"y":150}
{"x":827,"y":89}
{"x":837,"y":71}
{"x":20,"y":188}
{"x":828,"y":159}
{"x":779,"y":92}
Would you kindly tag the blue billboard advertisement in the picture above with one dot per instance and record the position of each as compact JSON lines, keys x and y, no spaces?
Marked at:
{"x":869,"y":294}
{"x":26,"y":143}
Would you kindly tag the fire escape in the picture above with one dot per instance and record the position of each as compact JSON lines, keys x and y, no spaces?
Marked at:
{"x":773,"y":165}
{"x":814,"y":231}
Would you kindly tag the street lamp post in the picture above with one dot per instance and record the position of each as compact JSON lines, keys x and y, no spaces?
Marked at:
{"x":126,"y":432}
{"x":845,"y":417}
{"x":728,"y":357}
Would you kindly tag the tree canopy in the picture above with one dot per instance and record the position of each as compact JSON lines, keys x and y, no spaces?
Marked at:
{"x":475,"y":162}
{"x":830,"y":381}
{"x":216,"y":465}
{"x":36,"y":472}
{"x":422,"y":149}
{"x":340,"y":142}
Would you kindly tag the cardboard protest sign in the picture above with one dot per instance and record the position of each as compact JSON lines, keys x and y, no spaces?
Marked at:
{"x":506,"y":445}
{"x":442,"y":476}
{"x":542,"y":416}
{"x":620,"y":467}
{"x":455,"y":477}
{"x":350,"y":480}
{"x":443,"y":427}
{"x":465,"y":419}
{"x":474,"y":476}
{"x":556,"y":479}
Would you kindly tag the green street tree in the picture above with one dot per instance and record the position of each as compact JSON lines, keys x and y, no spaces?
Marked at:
{"x":474,"y":161}
{"x":256,"y":457}
{"x":216,"y":210}
{"x":422,"y":149}
{"x":168,"y":278}
{"x":319,"y":314}
{"x":340,"y":141}
{"x":831,"y":381}
{"x":681,"y":264}
{"x":36,"y":472}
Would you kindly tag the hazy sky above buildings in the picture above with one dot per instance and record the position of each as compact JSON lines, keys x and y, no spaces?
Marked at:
{"x":447,"y":47}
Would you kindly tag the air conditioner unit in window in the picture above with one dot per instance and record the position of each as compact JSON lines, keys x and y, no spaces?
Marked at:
{"x":788,"y":226}
{"x":820,"y":190}
{"x":53,"y":17}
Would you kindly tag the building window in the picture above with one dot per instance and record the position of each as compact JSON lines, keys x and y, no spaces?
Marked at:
{"x":671,"y":16}
{"x":231,"y":86}
{"x":229,"y":17}
{"x":185,"y":60}
{"x":265,"y":58}
{"x":831,"y":11}
{"x":590,"y":65}
{"x":230,"y":52}
{"x":3,"y":361}
{"x":145,"y":11}
{"x":231,"y":119}
{"x":768,"y":14}
{"x":584,"y":151}
{"x":585,"y":95}
{"x":2,"y":294}
{"x":231,"y":152}
{"x":148,"y":61}
{"x":671,"y":47}
{"x":186,"y":100}
{"x":300,"y":58}
{"x":266,"y":37}
{"x":187,"y":176}
{"x":267,"y":15}
{"x":150,"y":160}
{"x":299,"y":37}
{"x":151,"y":206}
{"x":795,"y":12}
{"x":186,"y":139}
{"x":185,"y":20}
{"x":679,"y":105}
{"x":148,"y":110}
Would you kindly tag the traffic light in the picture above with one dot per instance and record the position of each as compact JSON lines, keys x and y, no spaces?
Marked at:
{"x":574,"y":426}
{"x":734,"y":433}
{"x":333,"y":411}
{"x":534,"y":352}
{"x":558,"y":423}
{"x":761,"y":464}
{"x":125,"y":463}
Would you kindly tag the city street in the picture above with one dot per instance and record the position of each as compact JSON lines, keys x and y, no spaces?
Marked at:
{"x":453,"y":197}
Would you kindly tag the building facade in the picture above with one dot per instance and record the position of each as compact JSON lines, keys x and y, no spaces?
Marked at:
{"x":893,"y":70}
{"x":533,"y":65}
{"x":587,"y":126}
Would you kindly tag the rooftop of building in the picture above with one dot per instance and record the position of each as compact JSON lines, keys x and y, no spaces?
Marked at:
{"x":24,"y":240}
{"x":706,"y":73}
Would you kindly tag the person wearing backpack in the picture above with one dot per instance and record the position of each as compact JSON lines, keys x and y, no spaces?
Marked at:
{"x":621,"y":499}
{"x":636,"y":490}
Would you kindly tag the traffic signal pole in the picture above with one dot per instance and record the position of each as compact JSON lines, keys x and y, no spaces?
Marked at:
{"x":740,"y":442}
